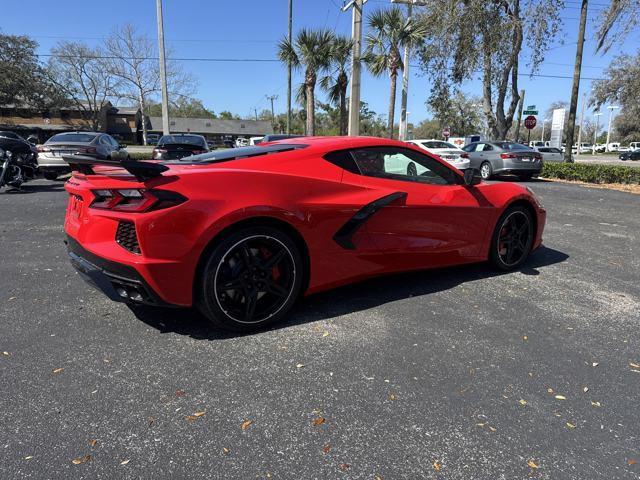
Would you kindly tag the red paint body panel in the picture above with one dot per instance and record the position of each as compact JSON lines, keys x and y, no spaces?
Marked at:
{"x":434,"y":226}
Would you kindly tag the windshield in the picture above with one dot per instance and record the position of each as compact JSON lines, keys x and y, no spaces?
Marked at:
{"x":511,"y":146}
{"x":73,"y":137}
{"x":182,"y":139}
{"x":437,"y":144}
{"x":10,"y":135}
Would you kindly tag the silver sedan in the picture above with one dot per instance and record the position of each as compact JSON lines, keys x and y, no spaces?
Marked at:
{"x":498,"y":158}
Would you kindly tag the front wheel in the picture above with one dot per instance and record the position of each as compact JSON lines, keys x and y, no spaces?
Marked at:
{"x":512,"y":239}
{"x":486,"y":171}
{"x":50,"y":175}
{"x":251,"y":279}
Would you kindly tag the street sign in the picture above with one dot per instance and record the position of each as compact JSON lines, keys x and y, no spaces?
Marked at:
{"x":531,"y":107}
{"x":557,"y":127}
{"x":530,"y":112}
{"x":530,"y":122}
{"x":446,"y":132}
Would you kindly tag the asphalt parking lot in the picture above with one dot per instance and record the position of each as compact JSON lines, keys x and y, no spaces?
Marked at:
{"x":453,"y":374}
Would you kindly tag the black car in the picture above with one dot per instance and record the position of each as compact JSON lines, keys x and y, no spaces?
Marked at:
{"x":10,"y":141}
{"x":635,"y":155}
{"x":179,"y":145}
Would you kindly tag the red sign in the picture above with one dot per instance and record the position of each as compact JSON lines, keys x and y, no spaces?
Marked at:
{"x":530,"y":122}
{"x":446,"y":132}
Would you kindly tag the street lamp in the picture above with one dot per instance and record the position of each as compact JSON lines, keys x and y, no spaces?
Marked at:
{"x":611,"y":109}
{"x":595,"y":132}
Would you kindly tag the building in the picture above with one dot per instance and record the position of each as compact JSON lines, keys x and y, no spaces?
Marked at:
{"x":215,"y":130}
{"x":123,"y":123}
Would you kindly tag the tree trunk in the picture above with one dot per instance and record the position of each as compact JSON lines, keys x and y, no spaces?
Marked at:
{"x":143,"y":119}
{"x":310,"y":86}
{"x":392,"y":101}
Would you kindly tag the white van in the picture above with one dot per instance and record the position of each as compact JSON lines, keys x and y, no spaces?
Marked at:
{"x":613,"y":147}
{"x":634,"y":146}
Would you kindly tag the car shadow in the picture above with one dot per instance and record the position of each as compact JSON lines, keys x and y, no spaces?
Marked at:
{"x":349,"y":299}
{"x":30,"y":188}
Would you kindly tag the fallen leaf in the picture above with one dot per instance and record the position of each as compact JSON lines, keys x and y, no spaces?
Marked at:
{"x":246,"y":424}
{"x":525,"y":338}
{"x":190,"y":418}
{"x":631,"y":461}
{"x":124,"y":462}
{"x":300,"y":365}
{"x":392,"y":396}
{"x":180,"y":393}
{"x":377,"y":477}
{"x":225,"y":450}
{"x":6,"y":354}
{"x":437,"y":466}
{"x":595,"y":404}
{"x":560,"y":397}
{"x":344,"y":467}
{"x":78,"y":461}
{"x":151,"y":421}
{"x":28,"y":457}
{"x":326,"y":448}
{"x":325,"y":334}
{"x":93,"y":443}
{"x":318,"y":421}
{"x":532,"y":464}
{"x":492,"y":429}
{"x":634,"y":370}
{"x":481,"y":424}
{"x":549,"y":390}
{"x":595,"y":364}
{"x":522,"y":401}
{"x":57,"y":370}
{"x":198,"y":414}
{"x":571,"y":425}
{"x":585,"y":389}
{"x":631,"y":364}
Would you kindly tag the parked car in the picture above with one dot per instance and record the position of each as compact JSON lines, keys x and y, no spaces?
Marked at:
{"x":274,"y":137}
{"x":250,"y":230}
{"x":92,"y":144}
{"x":634,"y":155}
{"x":445,"y":150}
{"x":613,"y":147}
{"x":623,"y":149}
{"x":539,"y":143}
{"x":634,"y":145}
{"x":601,"y":148}
{"x":179,"y":145}
{"x":493,"y":158}
{"x":550,"y":154}
{"x":242,"y":142}
{"x":152,"y":138}
{"x":255,"y":140}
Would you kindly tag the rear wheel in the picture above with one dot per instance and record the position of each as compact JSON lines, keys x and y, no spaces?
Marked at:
{"x":251,"y":279}
{"x":486,"y":171}
{"x":512,"y":239}
{"x":50,"y":175}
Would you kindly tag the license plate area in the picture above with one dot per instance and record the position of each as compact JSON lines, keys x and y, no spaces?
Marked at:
{"x":76,"y":203}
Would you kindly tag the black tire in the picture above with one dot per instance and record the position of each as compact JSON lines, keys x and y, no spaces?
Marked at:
{"x":50,"y":175}
{"x":486,"y":171}
{"x":509,"y":234}
{"x":260,"y":292}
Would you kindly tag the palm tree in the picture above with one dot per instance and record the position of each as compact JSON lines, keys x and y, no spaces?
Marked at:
{"x":310,"y":50}
{"x":337,"y":81}
{"x":389,"y":31}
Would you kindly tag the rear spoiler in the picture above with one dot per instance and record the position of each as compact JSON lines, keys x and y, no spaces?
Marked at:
{"x":141,"y":170}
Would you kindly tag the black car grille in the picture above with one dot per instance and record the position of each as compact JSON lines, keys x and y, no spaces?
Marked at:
{"x":127,"y":238}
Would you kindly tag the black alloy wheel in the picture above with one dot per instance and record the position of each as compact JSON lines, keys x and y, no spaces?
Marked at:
{"x":513,"y":238}
{"x":252,"y":279}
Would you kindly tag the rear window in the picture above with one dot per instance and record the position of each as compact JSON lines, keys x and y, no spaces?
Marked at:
{"x":512,"y":146}
{"x":436,"y":144}
{"x":182,"y":139}
{"x":73,"y":137}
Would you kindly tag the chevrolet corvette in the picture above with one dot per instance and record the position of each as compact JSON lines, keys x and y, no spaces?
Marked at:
{"x":241,"y":234}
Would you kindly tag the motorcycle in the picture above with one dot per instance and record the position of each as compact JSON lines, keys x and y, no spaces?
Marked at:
{"x":19,"y":162}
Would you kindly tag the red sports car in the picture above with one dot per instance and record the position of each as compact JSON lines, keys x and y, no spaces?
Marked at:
{"x":242,"y":233}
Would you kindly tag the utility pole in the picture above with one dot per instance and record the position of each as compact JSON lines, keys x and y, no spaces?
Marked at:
{"x":163,"y":71}
{"x":519,"y":116}
{"x":354,"y":87}
{"x":571,"y":124}
{"x":255,"y":111}
{"x":611,"y":109}
{"x":405,"y":71}
{"x":273,"y":116}
{"x":584,"y":100}
{"x":289,"y":69}
{"x":595,"y":132}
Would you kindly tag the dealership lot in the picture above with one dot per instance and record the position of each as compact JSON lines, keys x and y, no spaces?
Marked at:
{"x":457,"y":374}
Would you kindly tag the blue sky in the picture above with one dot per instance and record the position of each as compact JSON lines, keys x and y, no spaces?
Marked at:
{"x":251,"y":29}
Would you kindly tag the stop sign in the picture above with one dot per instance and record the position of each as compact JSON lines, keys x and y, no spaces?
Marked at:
{"x":530,"y":122}
{"x":446,"y":132}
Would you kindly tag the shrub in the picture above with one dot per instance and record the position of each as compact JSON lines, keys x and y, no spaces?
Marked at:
{"x":591,"y":173}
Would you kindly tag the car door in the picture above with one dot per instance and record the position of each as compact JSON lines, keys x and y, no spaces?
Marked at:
{"x":433,"y":220}
{"x":476,"y":155}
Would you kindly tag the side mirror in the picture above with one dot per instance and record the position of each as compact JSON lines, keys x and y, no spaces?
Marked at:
{"x":472,"y":176}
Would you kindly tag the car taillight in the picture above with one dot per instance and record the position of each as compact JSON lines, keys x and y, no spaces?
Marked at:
{"x":42,"y":148}
{"x":135,"y":200}
{"x":508,"y":155}
{"x":87,"y":150}
{"x":464,"y":155}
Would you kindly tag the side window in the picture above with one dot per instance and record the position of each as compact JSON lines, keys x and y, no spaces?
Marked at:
{"x":469,"y":148}
{"x":487,"y":148}
{"x":479,"y":147}
{"x":402,"y":164}
{"x":343,"y":159}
